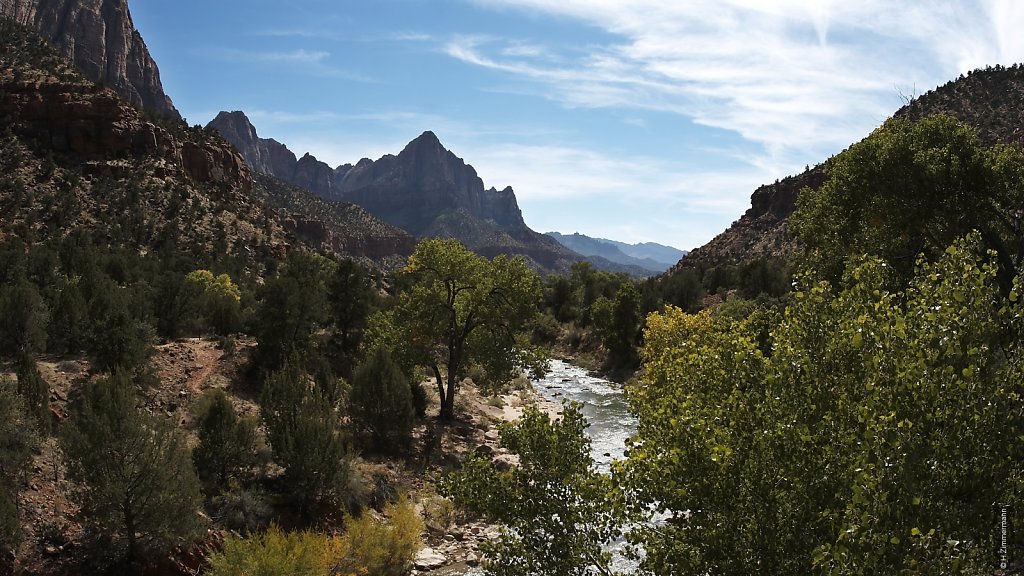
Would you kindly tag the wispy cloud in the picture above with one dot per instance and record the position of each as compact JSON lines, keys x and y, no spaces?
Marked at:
{"x":312,"y":62}
{"x":791,"y":75}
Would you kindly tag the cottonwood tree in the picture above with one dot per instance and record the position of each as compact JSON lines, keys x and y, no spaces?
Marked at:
{"x":913,"y":187}
{"x":558,"y":511}
{"x":136,"y":484}
{"x":872,"y":435}
{"x":461,"y":309}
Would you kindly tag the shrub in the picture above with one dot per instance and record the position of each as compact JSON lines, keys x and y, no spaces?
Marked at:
{"x":381,"y":402}
{"x":369,"y":546}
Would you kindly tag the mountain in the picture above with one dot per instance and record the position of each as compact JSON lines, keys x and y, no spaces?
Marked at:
{"x":425,"y":190}
{"x":651,"y":257}
{"x":101,"y":40}
{"x":338,"y":227}
{"x":991,"y":100}
{"x":76,"y":158}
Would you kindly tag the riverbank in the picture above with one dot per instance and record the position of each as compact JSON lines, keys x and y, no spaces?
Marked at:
{"x":451,"y":540}
{"x":603,"y":406}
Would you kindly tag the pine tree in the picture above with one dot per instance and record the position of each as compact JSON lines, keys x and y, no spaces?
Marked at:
{"x":227,"y":443}
{"x":381,"y":402}
{"x":35,"y":393}
{"x":18,"y":441}
{"x":304,"y":428}
{"x":137,"y":485}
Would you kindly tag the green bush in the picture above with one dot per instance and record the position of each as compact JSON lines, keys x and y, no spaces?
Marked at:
{"x":381,"y":403}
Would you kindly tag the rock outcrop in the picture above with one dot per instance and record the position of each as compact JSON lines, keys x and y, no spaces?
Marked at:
{"x":423,"y":182}
{"x":101,"y":40}
{"x":94,"y":123}
{"x":425,"y":190}
{"x":762,"y":232}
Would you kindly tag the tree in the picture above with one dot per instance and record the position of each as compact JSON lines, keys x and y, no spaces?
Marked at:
{"x":136,"y":484}
{"x":618,"y":322}
{"x":305,"y":433}
{"x":216,"y":298}
{"x":381,"y":402}
{"x":913,"y":187}
{"x":872,"y":435}
{"x":227,"y":443}
{"x":18,"y":442}
{"x":23,"y":330}
{"x":559,"y":512}
{"x":68,"y":325}
{"x":460,"y":310}
{"x":35,"y":394}
{"x":118,"y":336}
{"x":293,"y":306}
{"x":351,"y":296}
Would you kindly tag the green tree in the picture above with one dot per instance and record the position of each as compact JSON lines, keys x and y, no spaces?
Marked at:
{"x":304,"y":428}
{"x":136,"y":484}
{"x":18,"y":442}
{"x":351,"y":296}
{"x":381,"y":402}
{"x":35,"y":393}
{"x":559,"y":513}
{"x":618,"y":321}
{"x":23,"y":330}
{"x":460,"y":310}
{"x":913,"y":187}
{"x":118,"y":337}
{"x":227,"y":443}
{"x":216,"y":298}
{"x":293,"y":307}
{"x":872,"y":435}
{"x":69,"y":322}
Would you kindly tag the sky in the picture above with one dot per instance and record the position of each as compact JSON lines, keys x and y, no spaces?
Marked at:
{"x":638,"y":121}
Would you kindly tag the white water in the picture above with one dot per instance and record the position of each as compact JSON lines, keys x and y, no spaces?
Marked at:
{"x":605,"y":409}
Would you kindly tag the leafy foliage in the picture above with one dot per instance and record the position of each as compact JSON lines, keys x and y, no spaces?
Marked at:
{"x":136,"y":482}
{"x":35,"y":393}
{"x":559,"y":512}
{"x":368,"y":546}
{"x":913,"y":187}
{"x":293,"y":307}
{"x":217,"y":299}
{"x":872,"y":435}
{"x":461,"y":309}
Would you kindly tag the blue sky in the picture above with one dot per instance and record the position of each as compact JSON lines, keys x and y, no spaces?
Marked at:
{"x":641,"y":120}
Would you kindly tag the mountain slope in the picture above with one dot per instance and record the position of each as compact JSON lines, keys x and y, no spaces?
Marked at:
{"x":425,"y":190}
{"x":991,"y":100}
{"x":631,"y":255}
{"x":101,"y":40}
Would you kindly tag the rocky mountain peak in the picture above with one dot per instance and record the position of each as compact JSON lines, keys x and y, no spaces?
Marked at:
{"x":100,"y":38}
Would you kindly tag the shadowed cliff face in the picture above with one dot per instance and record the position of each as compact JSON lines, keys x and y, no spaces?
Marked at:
{"x":425,"y":190}
{"x":101,"y":40}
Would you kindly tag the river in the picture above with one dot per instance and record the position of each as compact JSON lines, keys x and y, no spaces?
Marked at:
{"x":605,"y":409}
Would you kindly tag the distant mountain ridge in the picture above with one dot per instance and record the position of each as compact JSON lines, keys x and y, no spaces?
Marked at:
{"x":991,"y":100}
{"x":98,"y":36}
{"x":425,"y":190}
{"x":652,"y":257}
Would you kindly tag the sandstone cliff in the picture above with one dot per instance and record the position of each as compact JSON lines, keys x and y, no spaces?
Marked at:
{"x":425,"y":190}
{"x":101,"y":40}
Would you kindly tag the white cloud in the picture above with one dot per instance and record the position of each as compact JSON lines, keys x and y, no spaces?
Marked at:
{"x":796,"y":76}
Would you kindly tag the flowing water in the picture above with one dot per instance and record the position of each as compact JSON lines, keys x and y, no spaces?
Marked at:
{"x":605,"y":409}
